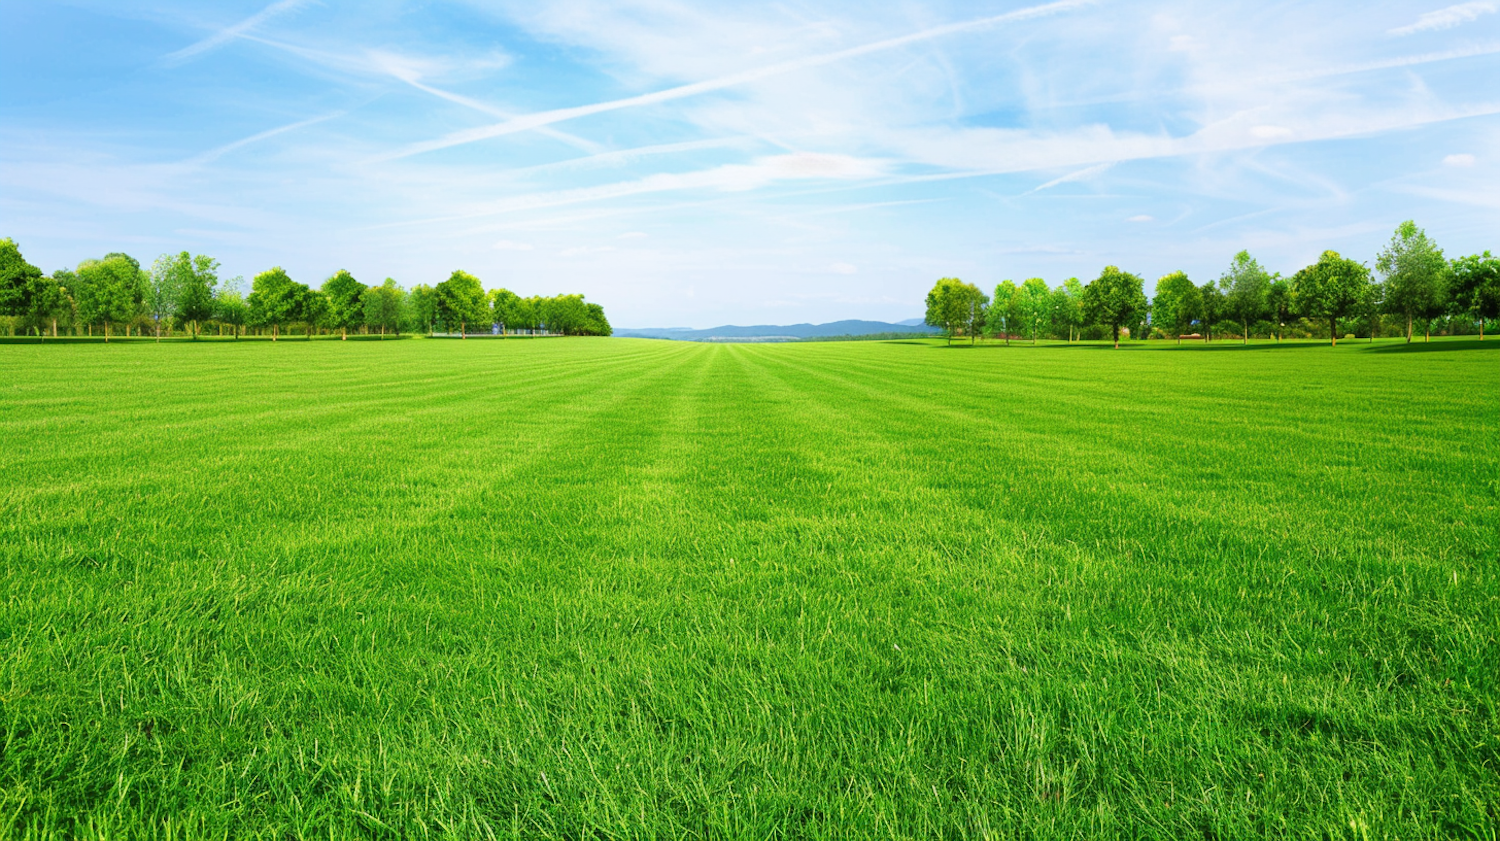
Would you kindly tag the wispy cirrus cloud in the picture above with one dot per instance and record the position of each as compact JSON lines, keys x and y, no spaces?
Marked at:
{"x":546,"y":118}
{"x":234,"y":31}
{"x":1447,"y":18}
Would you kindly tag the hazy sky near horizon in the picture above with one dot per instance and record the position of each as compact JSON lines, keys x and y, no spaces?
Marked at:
{"x":695,"y":164}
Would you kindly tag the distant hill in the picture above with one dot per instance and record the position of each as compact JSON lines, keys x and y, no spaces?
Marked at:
{"x":776,"y":332}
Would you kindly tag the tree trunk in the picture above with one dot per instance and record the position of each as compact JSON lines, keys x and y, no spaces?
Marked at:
{"x":54,"y":328}
{"x":1408,"y":328}
{"x":1117,"y":335}
{"x":1333,"y":330}
{"x":273,"y":332}
{"x":1427,"y":331}
{"x":106,"y":332}
{"x":1245,"y":339}
{"x":343,"y":334}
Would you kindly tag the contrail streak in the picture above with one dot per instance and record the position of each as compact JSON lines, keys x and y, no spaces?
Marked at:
{"x":528,"y":122}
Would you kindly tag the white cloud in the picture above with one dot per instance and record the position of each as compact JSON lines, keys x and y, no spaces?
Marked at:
{"x":545,"y":118}
{"x":508,"y":245}
{"x":1270,"y":132}
{"x":229,"y":33}
{"x":1461,"y":159}
{"x":844,"y":268}
{"x":633,"y":235}
{"x":1446,"y":18}
{"x":1141,"y":218}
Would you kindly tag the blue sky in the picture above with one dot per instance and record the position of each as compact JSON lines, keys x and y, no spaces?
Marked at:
{"x":693,"y":164}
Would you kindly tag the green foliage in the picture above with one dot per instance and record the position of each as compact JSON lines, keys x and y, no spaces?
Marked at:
{"x":422,"y":307}
{"x":383,"y":306}
{"x":16,"y":279}
{"x":461,"y":303}
{"x":956,"y":307}
{"x":1032,"y":304}
{"x":596,"y":589}
{"x":1113,"y":299}
{"x":1247,"y":291}
{"x":275,"y":299}
{"x":1416,"y":276}
{"x":109,"y":291}
{"x":1002,"y":315}
{"x":1211,"y":308}
{"x":1176,"y":305}
{"x":505,"y":309}
{"x":1332,"y":288}
{"x":345,"y":296}
{"x":1476,"y":287}
{"x":183,"y":285}
{"x":230,"y":308}
{"x":1279,"y":302}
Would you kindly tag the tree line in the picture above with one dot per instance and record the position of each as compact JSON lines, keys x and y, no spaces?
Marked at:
{"x":183,"y":291}
{"x":1417,"y":284}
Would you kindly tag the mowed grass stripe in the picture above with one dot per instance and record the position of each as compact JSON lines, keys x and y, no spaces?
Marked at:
{"x":811,"y":591}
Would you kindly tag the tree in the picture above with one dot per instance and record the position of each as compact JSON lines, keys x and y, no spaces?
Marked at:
{"x":947,"y":306}
{"x":1476,"y":288}
{"x":1113,"y":298}
{"x":1210,"y":308}
{"x":422,"y":306}
{"x":230,"y":307}
{"x":461,"y":298}
{"x":312,"y":309}
{"x":108,"y":291}
{"x":505,"y":308}
{"x":16,"y":278}
{"x":1279,"y":302}
{"x":1176,"y":304}
{"x":1033,"y":300}
{"x":346,"y":306}
{"x":383,"y":306}
{"x":194,"y":279}
{"x":1416,"y":276}
{"x":1003,"y":312}
{"x":46,"y":301}
{"x":274,"y":300}
{"x":1067,"y":307}
{"x":1246,"y":286}
{"x":1331,"y":288}
{"x":595,"y":323}
{"x":164,"y":288}
{"x":566,"y":314}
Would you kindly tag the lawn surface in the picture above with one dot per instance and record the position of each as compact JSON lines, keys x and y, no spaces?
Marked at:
{"x":623,"y":588}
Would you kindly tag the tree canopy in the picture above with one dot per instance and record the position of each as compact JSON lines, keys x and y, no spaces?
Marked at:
{"x":461,"y":302}
{"x":1113,"y":299}
{"x":1476,"y":287}
{"x":1247,"y":289}
{"x":1332,"y":288}
{"x":1416,"y":275}
{"x":275,"y":299}
{"x":955,"y":306}
{"x":346,"y":307}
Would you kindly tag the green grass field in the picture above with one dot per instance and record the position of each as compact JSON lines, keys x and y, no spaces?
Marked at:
{"x":625,"y":589}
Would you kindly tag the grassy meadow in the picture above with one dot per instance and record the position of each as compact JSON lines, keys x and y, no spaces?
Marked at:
{"x":609,"y":588}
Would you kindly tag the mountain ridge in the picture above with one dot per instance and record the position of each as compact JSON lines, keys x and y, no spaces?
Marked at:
{"x":785,"y":332}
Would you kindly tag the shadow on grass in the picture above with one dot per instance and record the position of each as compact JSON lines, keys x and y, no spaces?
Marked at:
{"x":180,"y":340}
{"x":1230,"y":346}
{"x":1440,"y":344}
